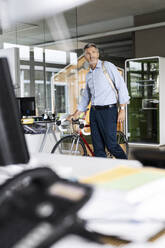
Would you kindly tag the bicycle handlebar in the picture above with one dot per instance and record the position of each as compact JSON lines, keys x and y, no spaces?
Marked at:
{"x":80,"y":122}
{"x":59,"y":123}
{"x":82,"y":125}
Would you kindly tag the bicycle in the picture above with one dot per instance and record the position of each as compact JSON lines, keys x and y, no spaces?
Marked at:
{"x":76,"y":144}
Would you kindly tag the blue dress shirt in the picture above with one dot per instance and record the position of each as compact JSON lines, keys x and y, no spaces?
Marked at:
{"x":99,"y":90}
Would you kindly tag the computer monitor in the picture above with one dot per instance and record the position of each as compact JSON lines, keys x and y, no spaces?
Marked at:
{"x":26,"y":106}
{"x":13,"y":148}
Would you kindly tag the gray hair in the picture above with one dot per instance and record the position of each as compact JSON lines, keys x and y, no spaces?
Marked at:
{"x":90,"y":45}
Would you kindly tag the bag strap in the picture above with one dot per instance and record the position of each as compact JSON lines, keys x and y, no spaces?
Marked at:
{"x":110,"y":80}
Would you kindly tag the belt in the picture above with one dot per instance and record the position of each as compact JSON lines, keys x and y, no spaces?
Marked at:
{"x":104,"y":106}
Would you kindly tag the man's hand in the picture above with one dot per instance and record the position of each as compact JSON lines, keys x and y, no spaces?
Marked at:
{"x":75,"y":115}
{"x":121,"y":115}
{"x":69,"y":117}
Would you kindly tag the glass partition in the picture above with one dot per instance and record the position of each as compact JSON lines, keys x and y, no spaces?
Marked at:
{"x":47,"y":51}
{"x":143,"y":110}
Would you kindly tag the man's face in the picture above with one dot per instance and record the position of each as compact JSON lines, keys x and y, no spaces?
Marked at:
{"x":92,"y":55}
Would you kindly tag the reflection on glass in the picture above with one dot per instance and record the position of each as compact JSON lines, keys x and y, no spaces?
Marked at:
{"x":26,"y":82}
{"x":46,"y":52}
{"x":54,"y":56}
{"x":38,"y":54}
{"x":60,"y":98}
{"x":24,"y":51}
{"x":143,"y":110}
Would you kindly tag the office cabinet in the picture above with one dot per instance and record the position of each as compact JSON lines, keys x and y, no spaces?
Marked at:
{"x":145,"y":79}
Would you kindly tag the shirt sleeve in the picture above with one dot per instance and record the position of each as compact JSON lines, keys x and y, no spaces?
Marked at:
{"x":119,"y":83}
{"x":85,"y":99}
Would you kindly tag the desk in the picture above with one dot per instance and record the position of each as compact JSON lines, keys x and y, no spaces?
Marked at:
{"x":50,"y":129}
{"x":67,"y":166}
{"x":43,"y":142}
{"x":77,"y":167}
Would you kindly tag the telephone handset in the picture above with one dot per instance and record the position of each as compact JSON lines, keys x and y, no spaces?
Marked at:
{"x":37,"y":208}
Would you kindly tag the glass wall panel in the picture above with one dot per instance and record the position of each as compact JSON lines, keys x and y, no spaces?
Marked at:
{"x":45,"y":53}
{"x":143,"y":110}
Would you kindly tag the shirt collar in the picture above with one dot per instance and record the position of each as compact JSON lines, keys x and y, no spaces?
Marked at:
{"x":98,"y":65}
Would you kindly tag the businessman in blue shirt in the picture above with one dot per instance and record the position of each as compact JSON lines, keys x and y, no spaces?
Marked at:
{"x":104,"y":112}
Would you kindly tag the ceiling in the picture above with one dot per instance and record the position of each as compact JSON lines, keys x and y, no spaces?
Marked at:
{"x":100,"y":10}
{"x":100,"y":21}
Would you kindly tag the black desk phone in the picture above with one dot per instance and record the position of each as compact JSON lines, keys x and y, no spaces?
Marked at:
{"x":37,"y":208}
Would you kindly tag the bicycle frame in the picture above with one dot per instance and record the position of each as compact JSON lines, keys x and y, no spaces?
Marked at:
{"x":79,"y":134}
{"x":76,"y":145}
{"x":86,"y":143}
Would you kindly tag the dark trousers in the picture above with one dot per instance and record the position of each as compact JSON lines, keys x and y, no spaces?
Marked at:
{"x":103,"y":123}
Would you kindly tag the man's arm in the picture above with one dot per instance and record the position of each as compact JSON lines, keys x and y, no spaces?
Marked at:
{"x":82,"y":107}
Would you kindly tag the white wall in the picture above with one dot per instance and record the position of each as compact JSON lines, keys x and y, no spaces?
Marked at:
{"x":12,"y":55}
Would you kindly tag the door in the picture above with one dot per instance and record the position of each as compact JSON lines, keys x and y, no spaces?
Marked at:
{"x":143,"y":110}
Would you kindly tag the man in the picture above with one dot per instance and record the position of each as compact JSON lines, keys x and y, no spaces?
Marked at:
{"x":104,"y":112}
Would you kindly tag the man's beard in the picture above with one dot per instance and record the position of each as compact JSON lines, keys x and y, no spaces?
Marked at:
{"x":93,"y":62}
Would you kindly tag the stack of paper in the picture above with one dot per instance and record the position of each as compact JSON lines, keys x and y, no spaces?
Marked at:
{"x":128,"y":203}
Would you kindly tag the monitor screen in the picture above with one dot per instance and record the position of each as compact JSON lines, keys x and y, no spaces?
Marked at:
{"x":26,"y":106}
{"x":13,"y":148}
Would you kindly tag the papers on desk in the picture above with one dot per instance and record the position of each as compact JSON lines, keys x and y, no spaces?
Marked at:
{"x":72,"y":241}
{"x":160,"y":243}
{"x":129,"y":207}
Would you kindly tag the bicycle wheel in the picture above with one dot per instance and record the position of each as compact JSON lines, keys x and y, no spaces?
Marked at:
{"x":70,"y":145}
{"x":122,"y":141}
